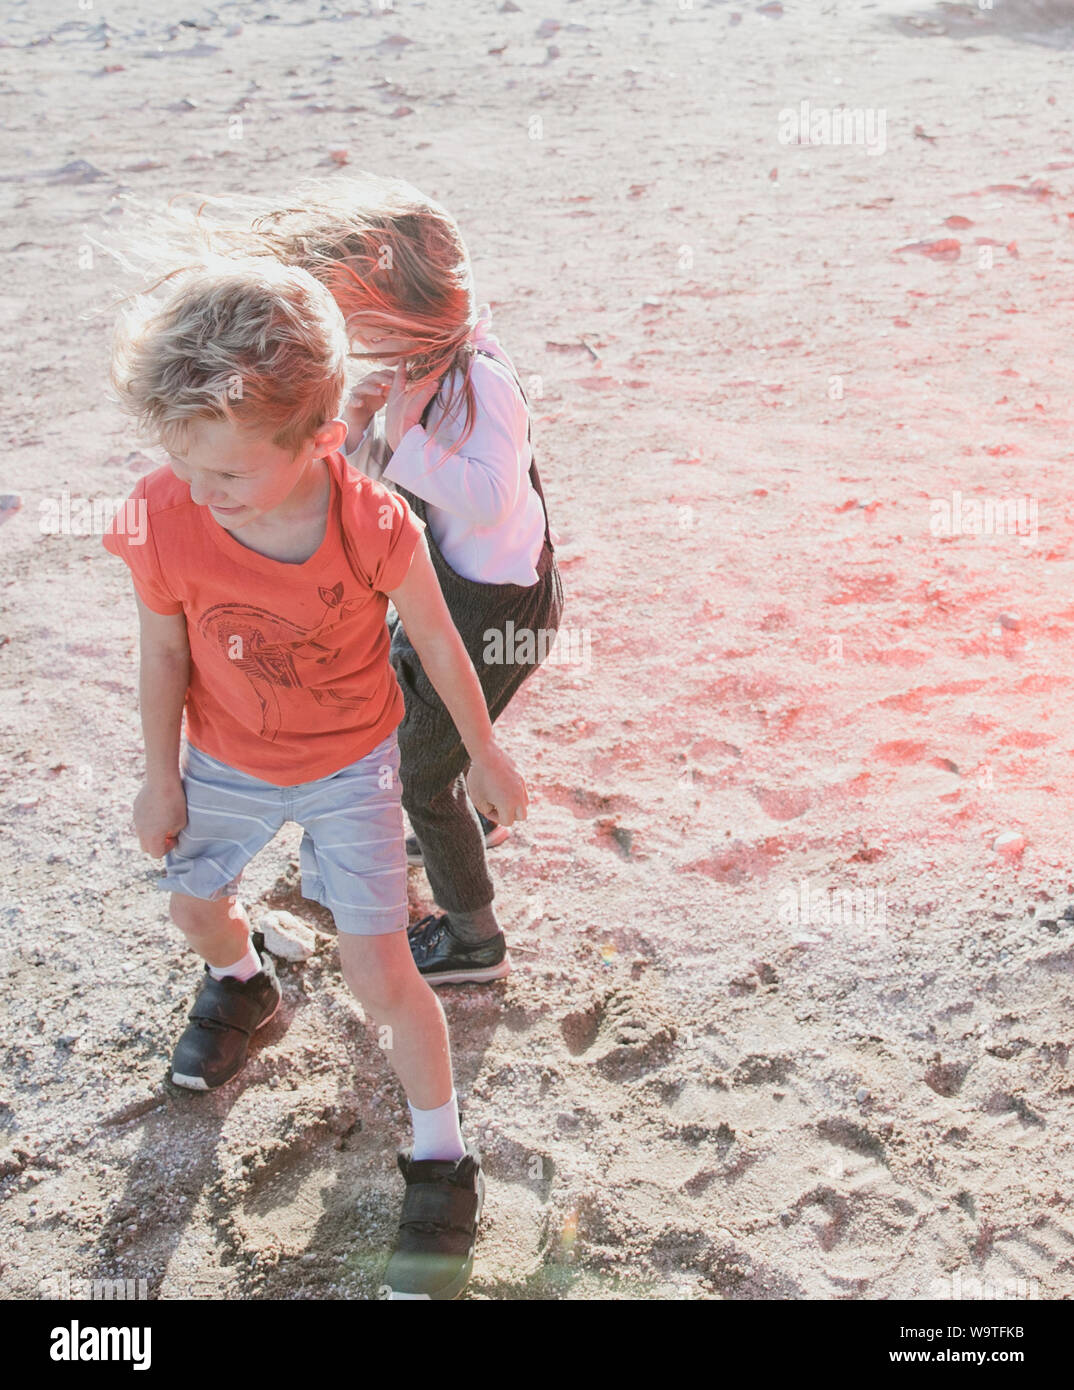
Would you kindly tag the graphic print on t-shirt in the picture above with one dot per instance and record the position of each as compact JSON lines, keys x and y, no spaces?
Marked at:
{"x":269,"y":650}
{"x":290,"y":676}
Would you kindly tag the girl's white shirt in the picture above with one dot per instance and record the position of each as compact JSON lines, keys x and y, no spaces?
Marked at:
{"x":481,"y":507}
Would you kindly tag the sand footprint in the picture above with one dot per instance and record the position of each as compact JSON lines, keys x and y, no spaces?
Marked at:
{"x":623,"y":1033}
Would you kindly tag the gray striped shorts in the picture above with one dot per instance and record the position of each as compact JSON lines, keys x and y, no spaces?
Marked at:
{"x":352,"y":856}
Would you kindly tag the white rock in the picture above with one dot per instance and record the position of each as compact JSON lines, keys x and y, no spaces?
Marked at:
{"x":286,"y":936}
{"x":1010,"y":842}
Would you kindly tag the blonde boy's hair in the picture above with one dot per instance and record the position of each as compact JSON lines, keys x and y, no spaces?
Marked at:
{"x":252,"y":341}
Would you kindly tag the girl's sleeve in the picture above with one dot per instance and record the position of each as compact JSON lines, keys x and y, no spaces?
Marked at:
{"x":130,"y":536}
{"x":482,"y":481}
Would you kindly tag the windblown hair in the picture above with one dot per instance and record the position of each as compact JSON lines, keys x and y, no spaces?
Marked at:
{"x":246,"y":340}
{"x":392,"y":257}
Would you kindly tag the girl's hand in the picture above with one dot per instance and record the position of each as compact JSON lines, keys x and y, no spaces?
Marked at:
{"x":159,"y":815}
{"x":496,"y":787}
{"x":405,"y":406}
{"x":365,"y":400}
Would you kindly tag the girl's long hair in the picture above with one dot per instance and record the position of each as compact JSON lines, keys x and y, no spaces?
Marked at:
{"x":394,"y":258}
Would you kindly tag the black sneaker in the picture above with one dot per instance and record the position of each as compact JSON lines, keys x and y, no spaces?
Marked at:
{"x":444,"y":960}
{"x":434,"y":1250}
{"x":225,"y":1016}
{"x":494,"y":835}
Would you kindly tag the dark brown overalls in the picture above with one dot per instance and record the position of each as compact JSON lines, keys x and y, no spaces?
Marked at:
{"x":433,"y":759}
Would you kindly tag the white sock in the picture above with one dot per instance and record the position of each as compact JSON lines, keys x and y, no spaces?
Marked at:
{"x":243,"y":969}
{"x":436,"y":1132}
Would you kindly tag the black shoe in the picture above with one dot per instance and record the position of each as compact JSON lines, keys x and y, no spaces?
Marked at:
{"x":444,"y":960}
{"x":225,"y":1016}
{"x":434,"y":1250}
{"x":494,"y":835}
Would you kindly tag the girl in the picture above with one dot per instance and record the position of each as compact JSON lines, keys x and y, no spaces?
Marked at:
{"x":455,"y":442}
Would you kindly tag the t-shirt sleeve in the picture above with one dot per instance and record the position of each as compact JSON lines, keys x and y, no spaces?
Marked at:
{"x":129,"y":535}
{"x":385,"y":537}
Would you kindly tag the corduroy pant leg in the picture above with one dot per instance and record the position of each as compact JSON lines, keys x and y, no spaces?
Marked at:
{"x":433,"y":758}
{"x":433,"y":763}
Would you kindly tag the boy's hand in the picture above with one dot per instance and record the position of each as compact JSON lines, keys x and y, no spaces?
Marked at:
{"x":405,"y":406}
{"x":365,"y":400}
{"x":496,"y":787}
{"x":159,"y":815}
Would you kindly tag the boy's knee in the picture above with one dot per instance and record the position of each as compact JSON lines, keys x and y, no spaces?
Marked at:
{"x":379,"y":994}
{"x":382,"y":984}
{"x":182,"y":909}
{"x":187,"y":911}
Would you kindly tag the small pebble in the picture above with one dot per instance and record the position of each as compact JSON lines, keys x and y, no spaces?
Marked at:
{"x":78,"y":171}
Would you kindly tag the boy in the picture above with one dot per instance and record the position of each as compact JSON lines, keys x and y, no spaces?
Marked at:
{"x":262,"y":588}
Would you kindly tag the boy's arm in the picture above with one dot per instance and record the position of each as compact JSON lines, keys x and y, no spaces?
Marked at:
{"x":164,"y":674}
{"x":495,"y":785}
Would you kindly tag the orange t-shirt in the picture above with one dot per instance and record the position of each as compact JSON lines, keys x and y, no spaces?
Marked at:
{"x":290,"y":679}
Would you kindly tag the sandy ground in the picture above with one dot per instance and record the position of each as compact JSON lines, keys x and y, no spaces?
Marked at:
{"x":758,"y":367}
